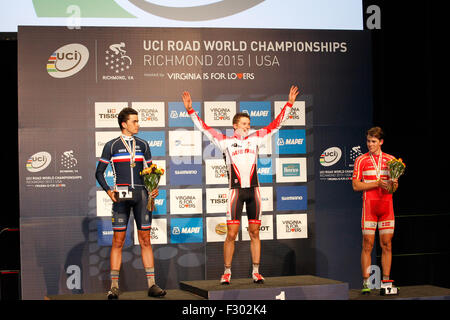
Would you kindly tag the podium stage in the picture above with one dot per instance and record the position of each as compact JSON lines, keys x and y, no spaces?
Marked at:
{"x":305,"y":287}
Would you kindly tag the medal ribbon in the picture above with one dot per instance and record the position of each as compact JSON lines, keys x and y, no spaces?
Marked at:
{"x":377,"y":165}
{"x":131,"y":151}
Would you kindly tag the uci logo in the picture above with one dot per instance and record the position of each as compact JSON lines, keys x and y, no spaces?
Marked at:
{"x":67,"y":60}
{"x":330,"y":156}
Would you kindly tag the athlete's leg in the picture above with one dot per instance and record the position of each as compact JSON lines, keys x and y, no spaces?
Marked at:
{"x":228,"y":245}
{"x":255,"y":242}
{"x":116,"y":249}
{"x":367,"y":245}
{"x":146,"y":248}
{"x":386,"y":253}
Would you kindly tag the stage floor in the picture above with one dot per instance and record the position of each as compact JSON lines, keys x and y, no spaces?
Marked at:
{"x":423,"y":292}
{"x":275,"y":288}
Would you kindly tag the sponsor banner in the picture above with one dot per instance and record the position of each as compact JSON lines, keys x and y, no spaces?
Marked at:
{"x":160,"y":203}
{"x":219,"y":113}
{"x":185,"y":174}
{"x":151,"y":114}
{"x":105,"y":233}
{"x":178,"y":116}
{"x":291,"y":169}
{"x":265,"y":170}
{"x":265,"y":229}
{"x":290,"y":142}
{"x":106,"y":114}
{"x":297,"y":116}
{"x":292,"y":226}
{"x":104,"y":204}
{"x":292,"y":198}
{"x":185,"y":143}
{"x":101,"y":138}
{"x":186,"y":230}
{"x":156,"y":140}
{"x":216,"y":200}
{"x":216,"y":229}
{"x":216,"y":171}
{"x":260,"y":112}
{"x":158,"y":232}
{"x":109,"y":177}
{"x":186,"y":201}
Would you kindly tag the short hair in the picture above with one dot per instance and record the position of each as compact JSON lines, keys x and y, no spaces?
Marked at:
{"x":239,"y":115}
{"x":376,"y":132}
{"x":124,"y":115}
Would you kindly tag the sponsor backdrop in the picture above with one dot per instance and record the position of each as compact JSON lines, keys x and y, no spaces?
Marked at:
{"x":73,"y":84}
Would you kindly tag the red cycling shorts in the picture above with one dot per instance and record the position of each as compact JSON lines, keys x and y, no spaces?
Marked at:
{"x":377,"y":213}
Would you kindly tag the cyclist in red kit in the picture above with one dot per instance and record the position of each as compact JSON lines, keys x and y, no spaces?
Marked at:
{"x":371,"y":176}
{"x":241,"y":154}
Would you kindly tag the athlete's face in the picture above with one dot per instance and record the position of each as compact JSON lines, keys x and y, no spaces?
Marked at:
{"x":374,"y":144}
{"x":242,"y":127}
{"x":131,"y":126}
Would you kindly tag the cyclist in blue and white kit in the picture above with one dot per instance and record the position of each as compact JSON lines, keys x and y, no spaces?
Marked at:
{"x":241,"y":154}
{"x":128,"y":156}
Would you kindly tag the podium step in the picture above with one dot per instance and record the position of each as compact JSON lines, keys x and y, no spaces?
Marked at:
{"x":423,"y":292}
{"x":274,"y":288}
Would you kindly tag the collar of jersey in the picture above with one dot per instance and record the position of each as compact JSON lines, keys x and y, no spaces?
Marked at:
{"x":127,"y":138}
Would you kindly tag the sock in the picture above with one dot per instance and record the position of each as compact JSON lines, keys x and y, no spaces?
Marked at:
{"x":114,"y":276}
{"x":256,"y":268}
{"x":150,"y":274}
{"x":227,"y":269}
{"x":385,"y":277}
{"x":366,"y":281}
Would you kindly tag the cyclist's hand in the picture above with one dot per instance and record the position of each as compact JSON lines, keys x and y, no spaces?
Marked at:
{"x":187,"y":100}
{"x":112,"y":195}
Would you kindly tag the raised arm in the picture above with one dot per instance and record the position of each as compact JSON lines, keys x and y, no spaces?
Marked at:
{"x":216,"y":137}
{"x":282,"y":116}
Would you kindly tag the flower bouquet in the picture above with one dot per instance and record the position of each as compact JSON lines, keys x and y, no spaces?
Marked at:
{"x":151,"y":176}
{"x":396,"y":169}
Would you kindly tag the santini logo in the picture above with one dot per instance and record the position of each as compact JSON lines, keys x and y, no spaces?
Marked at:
{"x":330,"y":156}
{"x":67,"y":60}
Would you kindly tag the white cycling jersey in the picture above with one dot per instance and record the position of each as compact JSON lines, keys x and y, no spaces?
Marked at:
{"x":241,"y":153}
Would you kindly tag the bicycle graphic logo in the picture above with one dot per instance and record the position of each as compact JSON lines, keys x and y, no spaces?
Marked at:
{"x":116,"y":59}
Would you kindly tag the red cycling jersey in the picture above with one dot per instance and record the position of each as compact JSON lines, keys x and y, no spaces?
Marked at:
{"x":368,"y":168}
{"x":378,"y":209}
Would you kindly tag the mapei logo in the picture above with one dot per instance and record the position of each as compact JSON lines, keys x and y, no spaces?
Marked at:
{"x":290,"y":142}
{"x":330,"y":156}
{"x":39,"y":161}
{"x":186,"y":230}
{"x":67,"y":60}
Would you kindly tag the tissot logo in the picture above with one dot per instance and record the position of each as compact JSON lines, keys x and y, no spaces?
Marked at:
{"x":67,"y":60}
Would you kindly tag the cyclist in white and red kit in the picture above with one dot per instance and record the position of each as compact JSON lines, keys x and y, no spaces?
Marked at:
{"x":371,"y":176}
{"x":241,"y":155}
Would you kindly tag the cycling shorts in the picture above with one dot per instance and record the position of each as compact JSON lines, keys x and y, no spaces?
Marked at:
{"x":121,"y":211}
{"x":236,"y":199}
{"x":377,"y":213}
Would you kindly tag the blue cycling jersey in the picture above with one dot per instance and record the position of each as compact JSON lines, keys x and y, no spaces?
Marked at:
{"x":125,"y":166}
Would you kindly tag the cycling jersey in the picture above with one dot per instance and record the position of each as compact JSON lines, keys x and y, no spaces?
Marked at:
{"x":126,"y":166}
{"x":241,"y":153}
{"x":378,"y":208}
{"x":365,"y":169}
